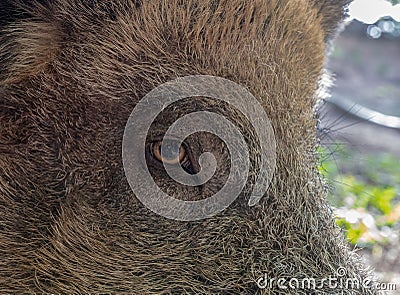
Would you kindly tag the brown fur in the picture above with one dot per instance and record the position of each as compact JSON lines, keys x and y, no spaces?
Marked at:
{"x":72,"y":71}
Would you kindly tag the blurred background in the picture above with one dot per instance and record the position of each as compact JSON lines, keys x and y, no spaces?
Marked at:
{"x":360,"y":134}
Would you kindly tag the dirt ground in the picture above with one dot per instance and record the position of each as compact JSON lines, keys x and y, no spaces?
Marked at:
{"x":367,"y":72}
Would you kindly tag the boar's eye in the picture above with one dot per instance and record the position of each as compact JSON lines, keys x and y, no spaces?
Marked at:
{"x":172,"y":153}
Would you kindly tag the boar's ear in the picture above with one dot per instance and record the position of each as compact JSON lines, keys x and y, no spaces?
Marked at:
{"x":29,"y":39}
{"x":332,"y":13}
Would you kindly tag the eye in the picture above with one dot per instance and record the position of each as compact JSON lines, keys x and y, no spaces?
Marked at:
{"x":172,"y":152}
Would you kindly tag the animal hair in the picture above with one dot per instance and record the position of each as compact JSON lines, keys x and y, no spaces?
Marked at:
{"x":72,"y":72}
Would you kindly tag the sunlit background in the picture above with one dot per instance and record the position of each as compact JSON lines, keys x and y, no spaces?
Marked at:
{"x":371,"y":11}
{"x":360,"y":132}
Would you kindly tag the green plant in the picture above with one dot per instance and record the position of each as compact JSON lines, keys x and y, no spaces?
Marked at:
{"x":365,"y":192}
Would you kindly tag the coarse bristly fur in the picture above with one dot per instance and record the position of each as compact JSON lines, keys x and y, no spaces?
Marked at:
{"x":71,"y":73}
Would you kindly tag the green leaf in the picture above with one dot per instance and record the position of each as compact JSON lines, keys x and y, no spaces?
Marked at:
{"x":382,"y":199}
